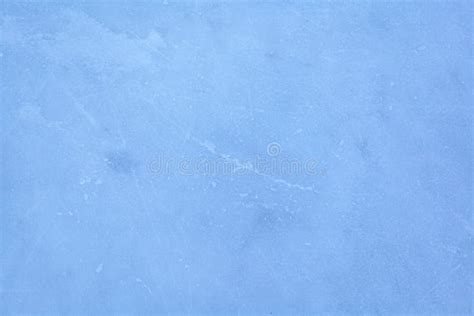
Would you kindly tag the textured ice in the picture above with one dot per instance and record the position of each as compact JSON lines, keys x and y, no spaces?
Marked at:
{"x":147,"y":155}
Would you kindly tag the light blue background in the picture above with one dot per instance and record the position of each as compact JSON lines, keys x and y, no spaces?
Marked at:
{"x":378,"y":93}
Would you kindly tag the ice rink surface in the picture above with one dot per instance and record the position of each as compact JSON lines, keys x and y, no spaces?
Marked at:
{"x":236,"y":158}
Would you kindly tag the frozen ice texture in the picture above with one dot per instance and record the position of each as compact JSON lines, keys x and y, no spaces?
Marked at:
{"x":113,"y":114}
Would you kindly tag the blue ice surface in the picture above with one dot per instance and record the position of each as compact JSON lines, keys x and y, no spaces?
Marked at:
{"x":144,"y":147}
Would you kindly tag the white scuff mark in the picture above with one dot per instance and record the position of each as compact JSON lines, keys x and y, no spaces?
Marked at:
{"x":209,"y":146}
{"x":99,"y":268}
{"x":84,"y":38}
{"x":138,"y":280}
{"x":154,"y":40}
{"x":295,"y":186}
{"x":82,"y":110}
{"x":248,"y":166}
{"x":298,"y":131}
